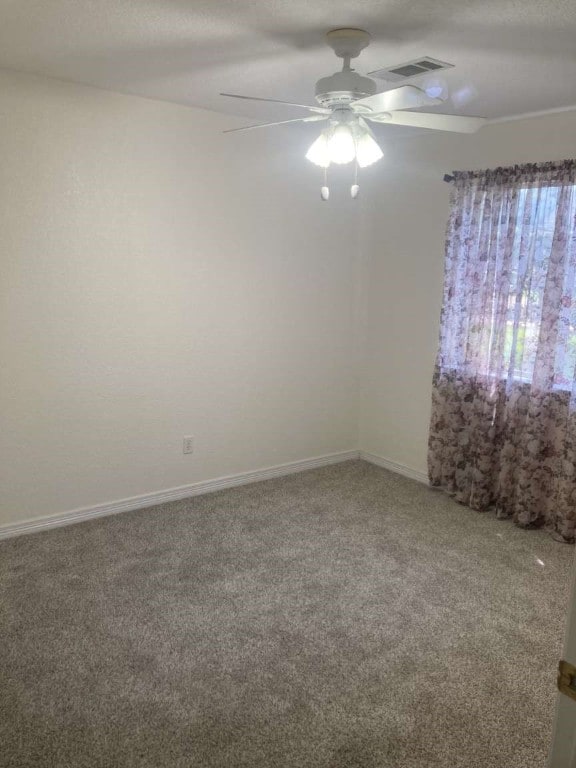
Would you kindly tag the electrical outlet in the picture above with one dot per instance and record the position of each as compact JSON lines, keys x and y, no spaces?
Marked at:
{"x":188,"y":445}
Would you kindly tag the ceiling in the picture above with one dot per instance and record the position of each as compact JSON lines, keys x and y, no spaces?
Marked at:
{"x":511,"y":56}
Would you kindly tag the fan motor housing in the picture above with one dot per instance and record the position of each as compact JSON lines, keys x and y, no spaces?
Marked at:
{"x":343,"y":88}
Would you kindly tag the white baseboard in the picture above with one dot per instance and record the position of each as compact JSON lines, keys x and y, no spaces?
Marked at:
{"x":172,"y":494}
{"x":207,"y":486}
{"x":393,"y":466}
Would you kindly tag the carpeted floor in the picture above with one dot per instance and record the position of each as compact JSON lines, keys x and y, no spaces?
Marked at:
{"x":340,"y":618}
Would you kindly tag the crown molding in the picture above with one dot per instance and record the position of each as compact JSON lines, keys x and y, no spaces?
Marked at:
{"x":528,"y":115}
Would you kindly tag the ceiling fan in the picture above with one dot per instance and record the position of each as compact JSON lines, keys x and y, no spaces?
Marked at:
{"x":349,"y":101}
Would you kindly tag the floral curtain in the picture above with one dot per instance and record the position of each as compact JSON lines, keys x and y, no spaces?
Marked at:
{"x":503,"y":426}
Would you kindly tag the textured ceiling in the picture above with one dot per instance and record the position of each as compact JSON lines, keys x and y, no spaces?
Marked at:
{"x":511,"y":56}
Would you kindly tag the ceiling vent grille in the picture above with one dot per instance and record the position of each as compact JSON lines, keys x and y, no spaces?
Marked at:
{"x":422,"y":66}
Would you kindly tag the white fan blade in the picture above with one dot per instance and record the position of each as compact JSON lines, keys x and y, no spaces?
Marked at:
{"x":434,"y":121}
{"x":405,"y":97}
{"x":311,"y":119}
{"x":321,"y":110}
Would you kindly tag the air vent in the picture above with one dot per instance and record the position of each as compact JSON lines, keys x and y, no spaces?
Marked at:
{"x":420,"y":66}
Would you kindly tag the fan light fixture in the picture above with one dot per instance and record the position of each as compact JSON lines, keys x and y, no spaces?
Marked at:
{"x":344,"y":143}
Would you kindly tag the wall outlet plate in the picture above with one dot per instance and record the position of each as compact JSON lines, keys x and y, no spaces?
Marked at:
{"x":188,"y":445}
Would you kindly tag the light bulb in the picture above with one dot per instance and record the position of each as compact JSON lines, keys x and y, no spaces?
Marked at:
{"x":367,"y":150}
{"x":318,"y":152}
{"x":341,"y":147}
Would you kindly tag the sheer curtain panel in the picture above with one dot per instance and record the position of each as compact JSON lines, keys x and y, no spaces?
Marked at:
{"x":503,"y":426}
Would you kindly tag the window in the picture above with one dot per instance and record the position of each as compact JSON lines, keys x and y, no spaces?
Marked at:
{"x":510,"y":294}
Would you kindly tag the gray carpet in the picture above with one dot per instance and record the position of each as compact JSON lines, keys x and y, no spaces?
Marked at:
{"x":340,"y":618}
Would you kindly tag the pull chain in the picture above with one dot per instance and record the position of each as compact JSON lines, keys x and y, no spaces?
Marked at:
{"x":325,"y":190}
{"x":355,"y":189}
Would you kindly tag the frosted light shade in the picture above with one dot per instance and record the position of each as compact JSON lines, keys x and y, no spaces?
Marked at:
{"x":341,"y":145}
{"x":367,"y":151}
{"x":318,"y":152}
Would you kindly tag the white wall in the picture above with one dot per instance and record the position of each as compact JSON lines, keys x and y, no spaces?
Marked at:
{"x":159,"y":279}
{"x":403,"y":232}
